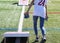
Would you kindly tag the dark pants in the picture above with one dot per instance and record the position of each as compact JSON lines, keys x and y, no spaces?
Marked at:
{"x":35,"y":18}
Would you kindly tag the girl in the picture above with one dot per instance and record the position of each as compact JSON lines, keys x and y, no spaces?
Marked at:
{"x":40,"y":11}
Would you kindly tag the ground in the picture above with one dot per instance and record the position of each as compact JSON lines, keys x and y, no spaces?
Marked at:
{"x":10,"y":14}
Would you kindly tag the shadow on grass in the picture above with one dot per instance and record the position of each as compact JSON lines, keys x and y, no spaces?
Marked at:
{"x":42,"y":41}
{"x":15,"y":3}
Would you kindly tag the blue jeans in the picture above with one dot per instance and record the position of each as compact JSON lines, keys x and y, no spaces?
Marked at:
{"x":35,"y":18}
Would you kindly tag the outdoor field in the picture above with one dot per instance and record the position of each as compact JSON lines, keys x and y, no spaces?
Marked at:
{"x":10,"y":15}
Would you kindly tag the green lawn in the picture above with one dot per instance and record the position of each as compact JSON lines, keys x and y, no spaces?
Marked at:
{"x":10,"y":14}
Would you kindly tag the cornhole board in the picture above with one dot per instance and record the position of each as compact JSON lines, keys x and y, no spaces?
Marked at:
{"x":16,"y":37}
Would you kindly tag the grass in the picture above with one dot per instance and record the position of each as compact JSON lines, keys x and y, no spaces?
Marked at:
{"x":53,"y":5}
{"x":10,"y":14}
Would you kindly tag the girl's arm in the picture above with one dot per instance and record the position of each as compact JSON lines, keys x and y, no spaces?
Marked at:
{"x":32,"y":2}
{"x":46,"y":12}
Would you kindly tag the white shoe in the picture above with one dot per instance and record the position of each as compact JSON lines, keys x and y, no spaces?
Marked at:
{"x":44,"y":37}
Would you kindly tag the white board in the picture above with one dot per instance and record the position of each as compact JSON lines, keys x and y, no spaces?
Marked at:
{"x":23,"y":2}
{"x":16,"y":34}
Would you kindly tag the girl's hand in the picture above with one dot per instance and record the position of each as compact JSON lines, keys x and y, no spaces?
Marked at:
{"x":46,"y":18}
{"x":26,"y":15}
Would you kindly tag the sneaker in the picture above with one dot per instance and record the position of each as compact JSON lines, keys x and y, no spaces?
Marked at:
{"x":44,"y":39}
